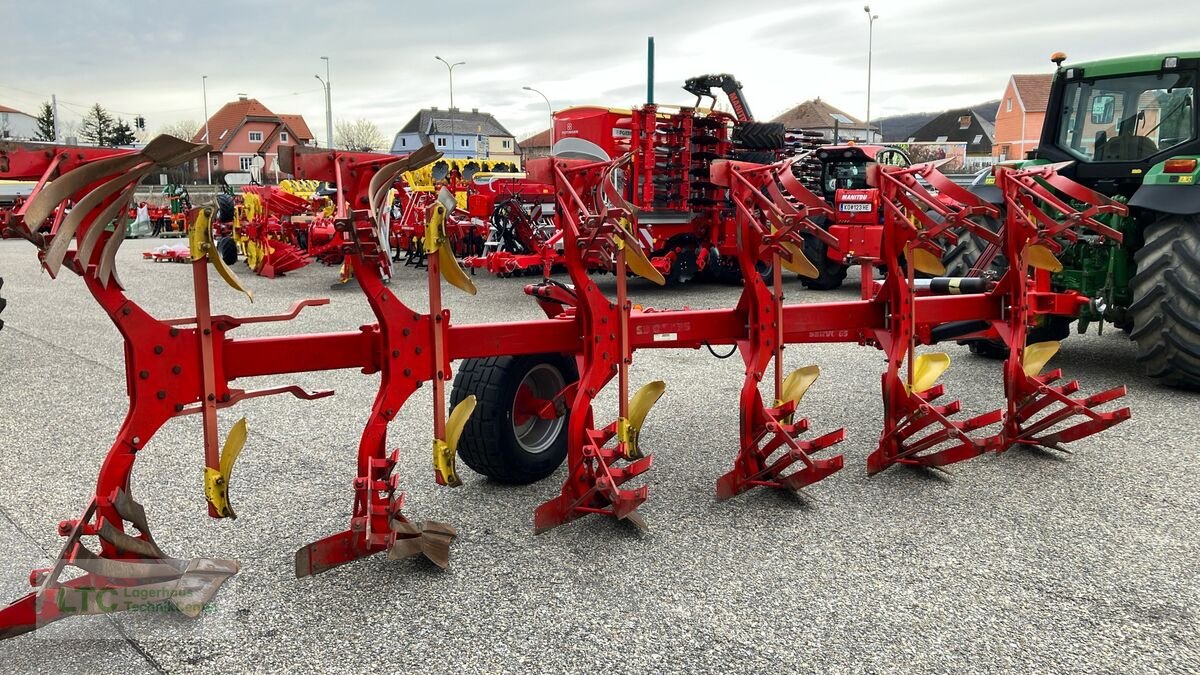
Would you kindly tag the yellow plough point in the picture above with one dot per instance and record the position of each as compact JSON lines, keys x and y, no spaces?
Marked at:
{"x":444,"y":452}
{"x":216,"y":481}
{"x":629,"y":429}
{"x":1043,"y":259}
{"x":796,"y":385}
{"x":927,"y":368}
{"x":799,"y":264}
{"x":200,"y":243}
{"x":1036,"y":356}
{"x":435,"y":244}
{"x":927,"y":263}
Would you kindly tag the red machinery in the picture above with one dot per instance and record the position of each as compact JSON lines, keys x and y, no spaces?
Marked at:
{"x":189,"y":365}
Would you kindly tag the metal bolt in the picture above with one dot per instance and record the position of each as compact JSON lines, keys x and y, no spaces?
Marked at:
{"x":158,"y":349}
{"x":174,"y":332}
{"x":395,"y":353}
{"x":145,"y":374}
{"x":408,"y":372}
{"x":161,"y":394}
{"x":137,"y":440}
{"x":406,"y":332}
{"x":176,"y":370}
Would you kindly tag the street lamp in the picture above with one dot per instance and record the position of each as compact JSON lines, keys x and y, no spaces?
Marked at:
{"x":870,"y":44}
{"x":549,"y":109}
{"x":327,"y":85}
{"x":450,"y":68}
{"x":207,"y":155}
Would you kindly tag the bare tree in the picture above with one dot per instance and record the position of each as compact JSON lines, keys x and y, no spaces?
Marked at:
{"x":361,"y":135}
{"x":183,"y":129}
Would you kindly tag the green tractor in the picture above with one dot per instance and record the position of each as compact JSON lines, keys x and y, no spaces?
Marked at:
{"x":1129,"y":127}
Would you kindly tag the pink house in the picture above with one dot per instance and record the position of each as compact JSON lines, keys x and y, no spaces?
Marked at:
{"x":245,"y":128}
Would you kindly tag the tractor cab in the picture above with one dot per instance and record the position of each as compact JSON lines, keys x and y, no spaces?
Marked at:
{"x":1119,"y":118}
{"x":857,"y":219}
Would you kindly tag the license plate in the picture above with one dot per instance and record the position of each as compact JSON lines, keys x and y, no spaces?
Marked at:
{"x":854,"y":208}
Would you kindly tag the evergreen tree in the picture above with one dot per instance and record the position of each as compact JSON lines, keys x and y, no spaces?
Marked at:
{"x":97,"y":126}
{"x":122,"y":134}
{"x":45,"y":123}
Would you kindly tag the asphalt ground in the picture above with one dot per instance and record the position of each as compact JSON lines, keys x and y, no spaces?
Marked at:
{"x":1030,"y":561}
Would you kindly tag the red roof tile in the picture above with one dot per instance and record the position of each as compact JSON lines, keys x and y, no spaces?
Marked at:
{"x":6,"y":109}
{"x":232,"y":114}
{"x":539,"y":140}
{"x":298,"y":126}
{"x":1033,"y":90}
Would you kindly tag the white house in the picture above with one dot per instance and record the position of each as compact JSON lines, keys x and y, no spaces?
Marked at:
{"x":17,"y":125}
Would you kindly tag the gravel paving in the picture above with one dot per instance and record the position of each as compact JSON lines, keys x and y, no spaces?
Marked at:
{"x":1029,"y":561}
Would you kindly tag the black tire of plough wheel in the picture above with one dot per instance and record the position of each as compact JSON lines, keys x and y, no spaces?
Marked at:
{"x":3,"y":303}
{"x":1051,"y":328}
{"x":224,"y":208}
{"x":831,"y":273}
{"x":227,"y":249}
{"x":1166,"y":302}
{"x":492,"y":444}
{"x":759,"y":135}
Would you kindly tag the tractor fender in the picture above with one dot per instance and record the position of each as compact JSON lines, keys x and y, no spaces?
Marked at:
{"x":984,"y":187}
{"x":1181,"y":200}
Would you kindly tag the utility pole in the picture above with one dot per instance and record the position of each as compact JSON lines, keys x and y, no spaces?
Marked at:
{"x":328,"y":104}
{"x":870,"y":46}
{"x":54,"y":106}
{"x":207,"y":138}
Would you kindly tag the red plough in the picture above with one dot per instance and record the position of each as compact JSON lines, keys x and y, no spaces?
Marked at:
{"x":190,"y":365}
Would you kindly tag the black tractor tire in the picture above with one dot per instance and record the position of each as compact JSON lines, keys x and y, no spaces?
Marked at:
{"x":492,"y":444}
{"x":831,"y":272}
{"x":961,"y":257}
{"x":225,"y":208}
{"x":3,"y":303}
{"x":1166,"y":302}
{"x":683,"y":269}
{"x":228,"y":250}
{"x":755,"y":156}
{"x":759,"y":135}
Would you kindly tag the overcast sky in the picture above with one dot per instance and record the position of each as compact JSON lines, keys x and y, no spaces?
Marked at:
{"x":147,"y":56}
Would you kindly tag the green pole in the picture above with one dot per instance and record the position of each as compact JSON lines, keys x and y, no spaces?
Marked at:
{"x":650,"y":69}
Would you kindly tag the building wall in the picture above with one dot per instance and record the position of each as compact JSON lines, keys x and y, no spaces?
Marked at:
{"x":240,"y":146}
{"x":17,"y":125}
{"x":1017,"y":132}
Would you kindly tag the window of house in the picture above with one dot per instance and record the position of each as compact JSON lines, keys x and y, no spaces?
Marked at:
{"x":964,"y":122}
{"x":256,"y":137}
{"x":441,"y":141}
{"x":464,"y":143}
{"x":506,"y":144}
{"x":978,"y":139}
{"x":283,"y":137}
{"x":1008,"y":105}
{"x":403,"y":142}
{"x":216,"y":161}
{"x":244,"y":163}
{"x":942,"y":139}
{"x":911,"y":139}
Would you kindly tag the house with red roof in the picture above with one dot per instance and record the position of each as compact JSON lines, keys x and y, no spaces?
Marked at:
{"x":537,"y":145}
{"x":1020,"y":116}
{"x":244,"y":129}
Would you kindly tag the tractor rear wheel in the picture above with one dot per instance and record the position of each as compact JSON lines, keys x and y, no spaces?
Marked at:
{"x":961,"y":257}
{"x":759,"y":135}
{"x":227,"y":249}
{"x":831,"y":272}
{"x":501,"y":440}
{"x":1166,"y":302}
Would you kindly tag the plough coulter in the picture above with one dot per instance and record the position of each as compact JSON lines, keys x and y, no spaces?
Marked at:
{"x":525,"y":395}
